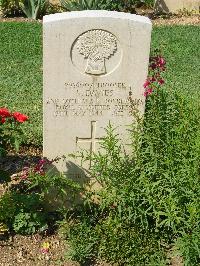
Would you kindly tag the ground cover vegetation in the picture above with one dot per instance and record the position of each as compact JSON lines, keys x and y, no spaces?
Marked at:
{"x":118,"y":5}
{"x":33,"y":9}
{"x":149,"y":207}
{"x":36,"y":9}
{"x":26,"y":204}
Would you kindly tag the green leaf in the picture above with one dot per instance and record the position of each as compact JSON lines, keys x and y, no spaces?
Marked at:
{"x":4,"y":176}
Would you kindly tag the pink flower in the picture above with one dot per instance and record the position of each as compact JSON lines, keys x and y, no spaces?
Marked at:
{"x":161,"y":81}
{"x":25,"y":173}
{"x":39,"y":168}
{"x":161,"y":61}
{"x":152,"y":79}
{"x":45,"y":247}
{"x":44,"y":250}
{"x":146,"y":84}
{"x":42,"y":162}
{"x":148,"y":92}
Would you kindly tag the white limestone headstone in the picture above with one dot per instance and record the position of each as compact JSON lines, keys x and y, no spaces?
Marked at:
{"x":94,"y":63}
{"x":176,"y":6}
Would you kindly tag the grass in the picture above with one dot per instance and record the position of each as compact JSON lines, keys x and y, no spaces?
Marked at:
{"x":21,"y":73}
{"x":21,"y":67}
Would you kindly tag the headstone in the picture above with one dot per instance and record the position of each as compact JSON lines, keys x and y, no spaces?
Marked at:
{"x":175,"y":6}
{"x":95,"y":65}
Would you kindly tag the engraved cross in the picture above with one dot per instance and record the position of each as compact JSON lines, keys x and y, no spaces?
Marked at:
{"x":92,"y":140}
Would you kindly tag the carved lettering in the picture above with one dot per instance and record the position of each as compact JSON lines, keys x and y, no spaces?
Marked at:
{"x":95,"y":99}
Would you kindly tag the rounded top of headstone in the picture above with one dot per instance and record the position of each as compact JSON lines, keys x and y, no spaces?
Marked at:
{"x":95,"y":14}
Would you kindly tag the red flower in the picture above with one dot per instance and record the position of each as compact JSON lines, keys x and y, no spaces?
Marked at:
{"x":153,"y":66}
{"x":4,"y":112}
{"x":20,"y":117}
{"x":146,"y":84}
{"x":3,"y":120}
{"x":148,"y":92}
{"x":152,"y":79}
{"x":161,"y":81}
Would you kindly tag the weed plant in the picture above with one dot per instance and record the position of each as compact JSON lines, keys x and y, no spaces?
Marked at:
{"x":32,"y":204}
{"x":149,"y":205}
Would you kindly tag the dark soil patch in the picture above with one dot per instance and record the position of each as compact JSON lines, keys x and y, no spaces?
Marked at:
{"x":15,"y":161}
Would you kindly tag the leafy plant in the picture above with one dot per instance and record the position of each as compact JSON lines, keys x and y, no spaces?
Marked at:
{"x":147,"y":3}
{"x":118,"y":5}
{"x":188,"y":246}
{"x":30,"y":222}
{"x":7,"y":208}
{"x":34,"y":8}
{"x":10,"y":7}
{"x":4,"y":177}
{"x":80,"y":4}
{"x":34,"y":203}
{"x":22,"y":212}
{"x":3,"y":229}
{"x":150,"y":199}
{"x":54,"y":188}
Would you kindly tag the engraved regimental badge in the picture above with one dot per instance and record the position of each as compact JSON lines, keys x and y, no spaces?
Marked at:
{"x":96,"y":46}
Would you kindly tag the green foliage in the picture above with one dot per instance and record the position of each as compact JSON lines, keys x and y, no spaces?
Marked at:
{"x":34,"y":8}
{"x":118,"y":5}
{"x":29,"y":223}
{"x":83,"y":240}
{"x":4,"y":175}
{"x":7,"y":208}
{"x":54,"y":188}
{"x":188,"y":246}
{"x":22,"y":212}
{"x":171,"y":143}
{"x":10,"y":7}
{"x":31,"y":8}
{"x":35,"y":201}
{"x":80,"y":4}
{"x":3,"y":229}
{"x":149,"y":200}
{"x":155,"y":192}
{"x":11,"y":135}
{"x":22,"y":60}
{"x":148,"y":3}
{"x":105,"y":239}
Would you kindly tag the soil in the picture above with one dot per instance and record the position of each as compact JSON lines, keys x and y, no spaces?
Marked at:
{"x":156,"y":20}
{"x":26,"y":251}
{"x":177,"y":20}
{"x":21,"y":250}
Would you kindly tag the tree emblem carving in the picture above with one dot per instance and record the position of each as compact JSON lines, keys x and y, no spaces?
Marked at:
{"x":96,"y":46}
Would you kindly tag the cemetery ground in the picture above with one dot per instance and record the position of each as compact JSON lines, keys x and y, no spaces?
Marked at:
{"x":173,"y":130}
